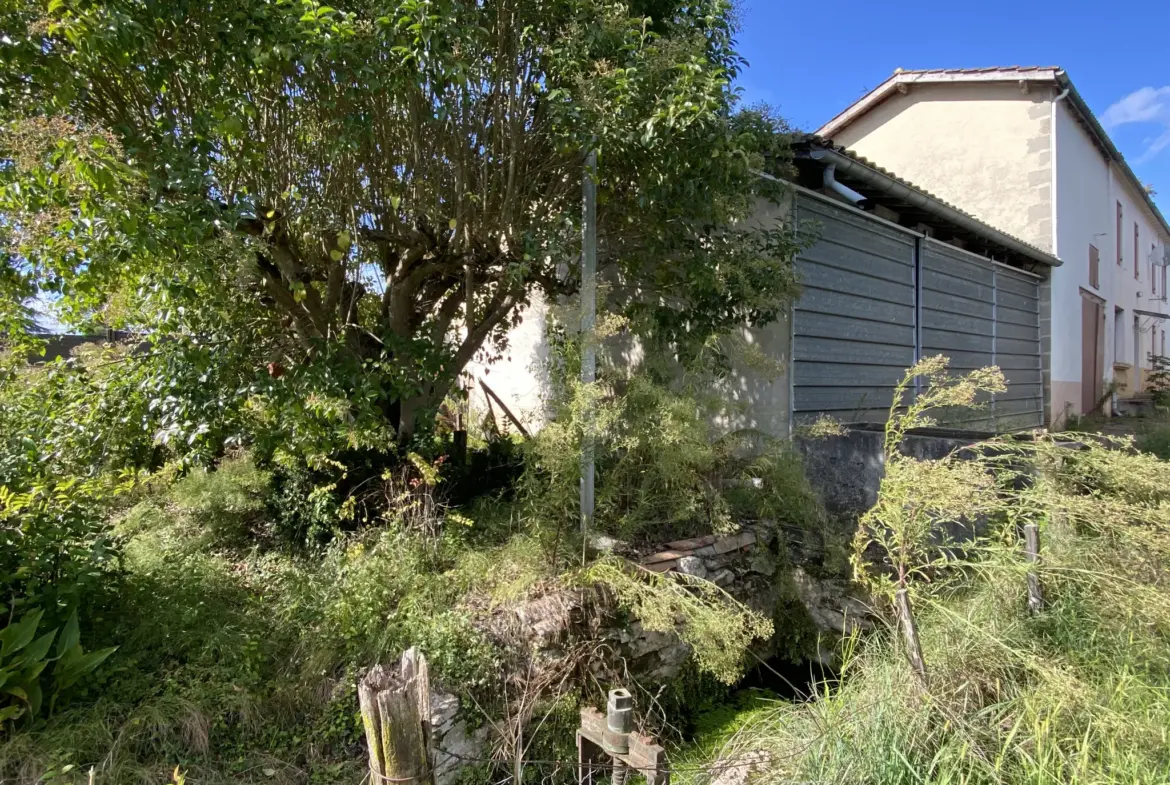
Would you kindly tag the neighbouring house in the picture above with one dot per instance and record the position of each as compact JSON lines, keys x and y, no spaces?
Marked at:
{"x":1020,"y":149}
{"x":895,"y":274}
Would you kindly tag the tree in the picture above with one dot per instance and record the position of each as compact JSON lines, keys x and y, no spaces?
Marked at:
{"x":382,"y":186}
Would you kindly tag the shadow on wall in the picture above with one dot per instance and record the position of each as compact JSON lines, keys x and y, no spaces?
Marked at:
{"x":846,"y":470}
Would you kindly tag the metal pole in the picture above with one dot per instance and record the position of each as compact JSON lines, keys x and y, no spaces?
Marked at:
{"x":619,"y":721}
{"x":588,"y":321}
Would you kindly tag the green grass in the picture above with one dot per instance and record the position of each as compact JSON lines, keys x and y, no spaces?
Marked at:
{"x":1077,"y":694}
{"x":240,"y":664}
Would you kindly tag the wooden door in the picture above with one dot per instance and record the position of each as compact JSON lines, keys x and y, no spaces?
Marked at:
{"x":1092,"y":353}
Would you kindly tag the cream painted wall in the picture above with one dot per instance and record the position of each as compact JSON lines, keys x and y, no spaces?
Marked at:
{"x":521,"y":377}
{"x":983,"y":147}
{"x":1088,"y":187}
{"x":999,"y":153}
{"x":755,"y":394}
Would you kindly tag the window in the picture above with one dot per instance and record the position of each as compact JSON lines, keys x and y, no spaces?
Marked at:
{"x":1159,"y":272}
{"x":1136,"y":244}
{"x":1119,"y":222}
{"x":1094,"y":267}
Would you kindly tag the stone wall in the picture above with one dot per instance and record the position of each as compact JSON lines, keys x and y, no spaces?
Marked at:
{"x":846,"y":471}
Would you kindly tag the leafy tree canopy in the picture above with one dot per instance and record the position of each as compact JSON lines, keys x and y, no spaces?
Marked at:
{"x":332,"y":210}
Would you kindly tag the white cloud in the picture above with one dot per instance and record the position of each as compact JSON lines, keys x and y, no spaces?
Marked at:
{"x":1145,"y":105}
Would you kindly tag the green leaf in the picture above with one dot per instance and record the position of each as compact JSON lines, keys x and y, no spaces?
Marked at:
{"x":16,"y":636}
{"x":33,"y":671}
{"x":40,"y":647}
{"x":70,"y":636}
{"x":81,"y":666}
{"x":336,"y":255}
{"x":36,"y":697}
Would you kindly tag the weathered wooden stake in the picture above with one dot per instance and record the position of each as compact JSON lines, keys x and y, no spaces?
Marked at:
{"x":910,"y":633}
{"x":1032,"y":554}
{"x":396,"y":712}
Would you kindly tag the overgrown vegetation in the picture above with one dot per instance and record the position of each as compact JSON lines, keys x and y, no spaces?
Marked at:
{"x":238,"y":649}
{"x":257,"y":496}
{"x":1076,"y":693}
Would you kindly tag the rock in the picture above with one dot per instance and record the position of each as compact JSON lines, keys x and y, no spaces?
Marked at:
{"x":544,"y":620}
{"x":762,"y":562}
{"x":455,"y":749}
{"x":692,"y":565}
{"x":444,"y":707}
{"x":603,"y":543}
{"x":724,"y":577}
{"x":454,"y":744}
{"x":644,"y":642}
{"x":829,"y":604}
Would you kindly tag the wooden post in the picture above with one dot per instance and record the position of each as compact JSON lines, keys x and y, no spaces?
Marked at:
{"x":396,"y":712}
{"x":1032,"y":554}
{"x":507,"y":412}
{"x":910,"y":634}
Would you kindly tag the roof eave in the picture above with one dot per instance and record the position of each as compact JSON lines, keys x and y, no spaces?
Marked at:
{"x":1055,"y":75}
{"x":937,"y":207}
{"x":907,"y":78}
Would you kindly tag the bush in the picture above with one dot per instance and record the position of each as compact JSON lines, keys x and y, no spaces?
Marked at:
{"x":229,"y":502}
{"x":661,"y":471}
{"x":1077,"y":693}
{"x":1155,"y":439}
{"x":73,"y":435}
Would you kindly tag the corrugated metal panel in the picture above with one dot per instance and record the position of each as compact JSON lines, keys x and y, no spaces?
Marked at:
{"x":870,"y":307}
{"x":854,"y":325}
{"x":1017,"y":350}
{"x":958,"y":319}
{"x":979,"y":313}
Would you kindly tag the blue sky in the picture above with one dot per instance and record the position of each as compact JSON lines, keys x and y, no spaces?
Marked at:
{"x":810,"y":61}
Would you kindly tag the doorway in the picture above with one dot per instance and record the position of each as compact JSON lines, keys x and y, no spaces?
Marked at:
{"x":1092,"y":351}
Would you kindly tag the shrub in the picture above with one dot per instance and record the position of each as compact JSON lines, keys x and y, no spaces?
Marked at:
{"x":25,"y":656}
{"x":1076,"y":693}
{"x":1155,"y":439}
{"x":718,"y":628}
{"x":1158,"y":380}
{"x":229,"y":501}
{"x":661,"y":470}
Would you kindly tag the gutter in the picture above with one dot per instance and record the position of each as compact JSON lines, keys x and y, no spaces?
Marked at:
{"x":897,"y":190}
{"x":830,"y":182}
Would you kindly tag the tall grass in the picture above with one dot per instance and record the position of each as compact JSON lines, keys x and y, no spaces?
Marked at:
{"x":239,"y":664}
{"x":1079,"y":693}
